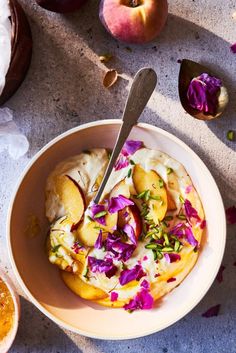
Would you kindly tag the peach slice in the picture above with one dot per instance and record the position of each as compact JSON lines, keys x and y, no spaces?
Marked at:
{"x":149,"y":180}
{"x":171,"y":205}
{"x":81,"y":288}
{"x":71,"y":197}
{"x":131,"y":215}
{"x":88,"y":230}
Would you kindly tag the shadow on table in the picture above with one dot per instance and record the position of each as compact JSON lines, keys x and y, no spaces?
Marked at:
{"x":37,"y":333}
{"x":203,"y":46}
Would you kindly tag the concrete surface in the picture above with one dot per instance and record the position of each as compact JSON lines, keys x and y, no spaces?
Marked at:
{"x":63,"y":89}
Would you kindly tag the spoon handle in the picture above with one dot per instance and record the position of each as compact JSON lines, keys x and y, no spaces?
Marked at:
{"x":141,"y":90}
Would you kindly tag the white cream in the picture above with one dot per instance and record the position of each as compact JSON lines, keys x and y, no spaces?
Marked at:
{"x":5,"y":41}
{"x":90,"y":166}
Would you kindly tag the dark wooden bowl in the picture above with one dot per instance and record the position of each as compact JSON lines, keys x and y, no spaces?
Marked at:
{"x":21,"y":51}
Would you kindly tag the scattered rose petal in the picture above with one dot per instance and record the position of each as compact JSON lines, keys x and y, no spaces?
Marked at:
{"x":188,"y":189}
{"x":203,"y":92}
{"x":121,"y":251}
{"x":110,"y":78}
{"x":129,"y":230}
{"x":98,"y":243}
{"x":130,"y":147}
{"x":213,"y":311}
{"x":219,"y":276}
{"x":145,"y":258}
{"x":190,"y":211}
{"x":95,"y":210}
{"x":118,"y":203}
{"x":106,"y":266}
{"x":105,"y":58}
{"x":231,"y":215}
{"x":136,"y":273}
{"x":172,"y":279}
{"x":122,"y":162}
{"x":77,"y":247}
{"x":203,"y":224}
{"x":145,"y":284}
{"x":233,"y":48}
{"x":190,"y":237}
{"x":143,"y":300}
{"x":114,"y":296}
{"x":172,"y":257}
{"x":234,"y":264}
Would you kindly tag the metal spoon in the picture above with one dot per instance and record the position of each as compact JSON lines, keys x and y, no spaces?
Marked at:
{"x":141,"y":90}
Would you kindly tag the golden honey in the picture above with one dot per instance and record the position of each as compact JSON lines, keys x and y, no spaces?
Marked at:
{"x":6,"y":310}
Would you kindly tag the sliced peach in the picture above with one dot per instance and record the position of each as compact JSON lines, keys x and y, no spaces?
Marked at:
{"x":131,"y":215}
{"x":81,"y":288}
{"x":88,"y":230}
{"x":171,"y":205}
{"x":121,"y":188}
{"x":149,"y":180}
{"x":71,"y":197}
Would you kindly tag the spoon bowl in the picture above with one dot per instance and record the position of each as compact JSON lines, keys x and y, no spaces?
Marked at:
{"x":188,"y":70}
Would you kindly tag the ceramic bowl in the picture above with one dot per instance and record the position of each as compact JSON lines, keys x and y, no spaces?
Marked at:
{"x":41,"y":281}
{"x":7,"y":342}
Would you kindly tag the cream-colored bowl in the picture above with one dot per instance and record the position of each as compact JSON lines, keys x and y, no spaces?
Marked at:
{"x":6,"y":344}
{"x":41,"y":281}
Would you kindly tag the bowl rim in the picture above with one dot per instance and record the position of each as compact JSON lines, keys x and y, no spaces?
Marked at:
{"x":60,"y":322}
{"x":9,"y":339}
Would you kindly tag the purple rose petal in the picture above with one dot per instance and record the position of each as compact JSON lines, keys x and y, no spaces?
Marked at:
{"x":188,"y":189}
{"x":172,"y":257}
{"x":231,"y":215}
{"x":121,"y":251}
{"x":190,"y":211}
{"x":114,"y":296}
{"x":190,"y":237}
{"x":129,"y":230}
{"x":130,"y":147}
{"x":122,"y":162}
{"x":98,"y":243}
{"x":203,"y":224}
{"x":213,"y":311}
{"x":219,"y":276}
{"x":143,"y":300}
{"x":136,"y":273}
{"x":106,"y":266}
{"x":203,"y":92}
{"x":145,"y":284}
{"x":118,"y":203}
{"x":94,"y":210}
{"x":172,"y":279}
{"x":233,"y":48}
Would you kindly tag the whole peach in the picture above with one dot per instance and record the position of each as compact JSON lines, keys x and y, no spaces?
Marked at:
{"x":133,"y":21}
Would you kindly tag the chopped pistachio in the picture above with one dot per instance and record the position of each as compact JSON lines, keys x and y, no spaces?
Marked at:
{"x":151,"y":246}
{"x":159,"y":255}
{"x":56,"y":247}
{"x":177,"y":246}
{"x":86,"y":272}
{"x":157,"y":197}
{"x":132,"y":162}
{"x":181,"y":199}
{"x":105,"y":58}
{"x":230,"y":135}
{"x":154,"y":254}
{"x":181,"y":216}
{"x":167,"y":249}
{"x":169,"y":171}
{"x":161,"y":183}
{"x":90,"y":219}
{"x":129,"y":173}
{"x":147,"y":195}
{"x":100,"y":214}
{"x":168,"y":218}
{"x":167,"y":243}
